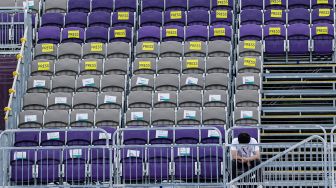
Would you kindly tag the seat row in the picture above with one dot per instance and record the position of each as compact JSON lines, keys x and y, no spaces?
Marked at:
{"x":284,"y":4}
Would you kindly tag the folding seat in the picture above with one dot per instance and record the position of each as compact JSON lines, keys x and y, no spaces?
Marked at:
{"x":56,"y":119}
{"x":274,"y":17}
{"x":165,"y":99}
{"x":159,"y":160}
{"x":95,"y":50}
{"x":78,"y":138}
{"x":196,"y":33}
{"x":187,"y":136}
{"x":198,"y":17}
{"x":115,"y":83}
{"x":69,"y":50}
{"x":321,"y":4}
{"x":52,"y":138}
{"x":118,"y":50}
{"x":142,"y":83}
{"x":96,"y":34}
{"x":248,"y":81}
{"x":323,"y":39}
{"x":75,"y":163}
{"x":174,"y":18}
{"x":322,"y":16}
{"x":76,"y":19}
{"x":249,"y":48}
{"x":63,"y":84}
{"x":26,"y":139}
{"x":85,"y":100}
{"x":169,"y":65}
{"x":137,"y":117}
{"x":162,"y":117}
{"x":299,"y":4}
{"x":161,"y":137}
{"x":45,"y":51}
{"x":215,"y":98}
{"x":66,"y":67}
{"x":188,"y":117}
{"x":22,"y":164}
{"x":144,"y":66}
{"x":251,"y":16}
{"x":157,"y":5}
{"x":275,"y":39}
{"x":170,"y":49}
{"x":195,"y":49}
{"x":298,"y":36}
{"x":214,"y":116}
{"x":190,"y":98}
{"x":100,"y":138}
{"x":219,"y":48}
{"x":108,"y":117}
{"x":100,"y":19}
{"x":222,"y":4}
{"x":60,"y":101}
{"x":110,"y":100}
{"x":167,"y":82}
{"x":151,"y":18}
{"x":185,"y":160}
{"x":251,"y":4}
{"x":116,"y":66}
{"x":216,"y":81}
{"x":134,"y":137}
{"x":139,"y":99}
{"x":125,"y":19}
{"x":250,"y":32}
{"x":100,"y":164}
{"x":120,"y":34}
{"x":199,"y":5}
{"x":48,"y":34}
{"x":55,"y":6}
{"x":42,"y":67}
{"x":221,"y":17}
{"x":246,"y":115}
{"x":38,"y":84}
{"x":125,"y":5}
{"x":212,"y":136}
{"x":132,"y":163}
{"x":88,"y":83}
{"x":102,"y":5}
{"x":73,"y":34}
{"x":220,"y":32}
{"x":34,"y":101}
{"x":298,"y":15}
{"x":52,"y":19}
{"x":172,"y":33}
{"x":79,"y":6}
{"x":147,"y":50}
{"x":82,"y":118}
{"x":249,"y":64}
{"x":217,"y":65}
{"x":211,"y":163}
{"x":91,"y":67}
{"x":30,"y":119}
{"x":176,"y":5}
{"x":191,"y":82}
{"x":48,"y":162}
{"x":275,"y":4}
{"x":149,"y":33}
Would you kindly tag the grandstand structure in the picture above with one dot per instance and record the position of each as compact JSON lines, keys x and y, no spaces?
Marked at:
{"x":150,"y":93}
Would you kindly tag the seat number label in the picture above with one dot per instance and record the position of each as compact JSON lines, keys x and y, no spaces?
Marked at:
{"x":221,"y":14}
{"x":192,"y":63}
{"x":322,"y":1}
{"x":276,"y":13}
{"x":250,"y":44}
{"x":274,"y":31}
{"x":96,"y":47}
{"x":275,"y":2}
{"x":175,"y":15}
{"x":47,"y":48}
{"x":195,"y":46}
{"x":223,"y":2}
{"x":91,"y":65}
{"x":322,"y":30}
{"x":123,"y":15}
{"x":120,"y":33}
{"x":171,"y":32}
{"x":145,"y":65}
{"x":219,"y":31}
{"x":73,"y":34}
{"x":250,"y":62}
{"x":148,"y":46}
{"x":324,"y":12}
{"x":43,"y":66}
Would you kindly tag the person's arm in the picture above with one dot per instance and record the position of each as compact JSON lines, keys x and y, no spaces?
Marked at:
{"x":256,"y":156}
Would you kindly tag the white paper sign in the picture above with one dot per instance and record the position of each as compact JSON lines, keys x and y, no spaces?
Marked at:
{"x":60,"y":100}
{"x":246,"y":114}
{"x":213,"y":133}
{"x":82,"y":116}
{"x":183,"y":151}
{"x":103,"y":136}
{"x":30,"y":118}
{"x":162,"y":97}
{"x":20,"y":155}
{"x":133,"y":153}
{"x":137,"y":116}
{"x":142,"y":81}
{"x":191,"y":81}
{"x":39,"y":83}
{"x":189,"y":114}
{"x":88,"y":82}
{"x":248,"y":80}
{"x":110,"y":99}
{"x":215,"y":98}
{"x":161,"y":134}
{"x":53,"y":136}
{"x":75,"y":153}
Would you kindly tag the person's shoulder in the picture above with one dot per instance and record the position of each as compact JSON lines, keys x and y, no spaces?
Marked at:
{"x":253,"y":141}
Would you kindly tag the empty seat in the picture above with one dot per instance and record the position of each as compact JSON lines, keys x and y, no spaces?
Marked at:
{"x":157,"y":5}
{"x":176,"y":5}
{"x":159,"y":160}
{"x":137,"y":117}
{"x":48,"y":162}
{"x":321,"y":4}
{"x":199,"y":5}
{"x":85,"y":100}
{"x":215,"y":98}
{"x":100,"y":164}
{"x":184,"y":163}
{"x":187,"y":136}
{"x":171,"y":49}
{"x":196,"y":33}
{"x":66,"y":67}
{"x":115,"y":83}
{"x":216,"y":81}
{"x":322,"y":16}
{"x":221,"y":17}
{"x":193,"y":65}
{"x":248,"y":81}
{"x":217,"y":65}
{"x":190,"y":98}
{"x":82,"y":118}
{"x":45,"y":51}
{"x":249,"y":64}
{"x":151,"y":18}
{"x":274,"y":17}
{"x":56,"y":6}
{"x":165,"y":99}
{"x":211,"y":163}
{"x":172,"y":33}
{"x":42,"y":67}
{"x":222,"y":4}
{"x":56,"y":119}
{"x":191,"y":82}
{"x":63,"y":84}
{"x":219,"y":48}
{"x":110,"y":100}
{"x":123,"y":19}
{"x":249,"y":48}
{"x":49,"y":34}
{"x":21,"y":165}
{"x":139,"y":99}
{"x":147,"y":49}
{"x":60,"y":101}
{"x":298,"y":36}
{"x":275,"y":36}
{"x":195,"y":49}
{"x":26,"y":139}
{"x":132,"y":161}
{"x":88,"y":83}
{"x":246,"y":116}
{"x":100,"y":138}
{"x":69,"y":50}
{"x":100,"y":18}
{"x":76,"y":19}
{"x":118,"y":50}
{"x":214,"y":116}
{"x":30,"y":119}
{"x":188,"y":117}
{"x":95,"y":50}
{"x":299,"y":4}
{"x":125,"y":5}
{"x":52,"y":19}
{"x":102,"y":5}
{"x":73,"y":34}
{"x":212,"y":135}
{"x":220,"y":32}
{"x":198,"y":17}
{"x":79,"y":6}
{"x":96,"y":34}
{"x":34,"y":101}
{"x":142,"y":83}
{"x":251,"y":16}
{"x":52,"y":138}
{"x":166,"y":82}
{"x":38,"y":84}
{"x":134,"y":137}
{"x":278,"y":4}
{"x":247,"y":98}
{"x":74,"y":162}
{"x":78,"y":138}
{"x":163,"y":117}
{"x":174,"y":17}
{"x":250,"y":32}
{"x":120,"y":34}
{"x":108,"y":117}
{"x":91,"y":67}
{"x":169,"y":65}
{"x":251,"y":4}
{"x":149,"y":33}
{"x":323,"y":39}
{"x":299,"y":15}
{"x":116,"y":66}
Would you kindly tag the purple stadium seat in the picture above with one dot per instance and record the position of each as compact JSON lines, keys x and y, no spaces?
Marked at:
{"x":298,"y":15}
{"x":184,"y":160}
{"x":186,"y":136}
{"x":49,"y":34}
{"x":100,"y":164}
{"x":322,"y":4}
{"x":275,"y":36}
{"x":196,"y":33}
{"x":298,"y":39}
{"x":220,"y":32}
{"x":149,"y":33}
{"x":74,"y":161}
{"x":96,"y":34}
{"x":151,"y":18}
{"x":251,"y":16}
{"x":78,"y":138}
{"x":211,"y":158}
{"x":135,"y":137}
{"x":222,"y":4}
{"x":322,"y":16}
{"x":79,"y":6}
{"x":211,"y":136}
{"x":102,"y":5}
{"x":48,"y":161}
{"x":123,"y":19}
{"x":173,"y":33}
{"x":221,"y":17}
{"x":52,"y":19}
{"x":251,"y":4}
{"x":53,"y":138}
{"x":157,"y":5}
{"x":100,"y":18}
{"x":250,"y":32}
{"x":125,"y":5}
{"x":73,"y":34}
{"x":26,"y":139}
{"x":274,"y":17}
{"x":120,"y":33}
{"x":292,"y":4}
{"x":176,"y":5}
{"x":199,"y":5}
{"x":175,"y":17}
{"x":323,"y":39}
{"x":275,"y":4}
{"x":198,"y":17}
{"x":159,"y":159}
{"x":161,"y":137}
{"x":76,"y":19}
{"x":133,"y":161}
{"x":22,"y":164}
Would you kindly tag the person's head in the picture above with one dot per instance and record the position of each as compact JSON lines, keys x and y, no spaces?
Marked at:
{"x":244,"y":138}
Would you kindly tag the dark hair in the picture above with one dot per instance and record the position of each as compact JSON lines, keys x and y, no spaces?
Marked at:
{"x":244,"y":138}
